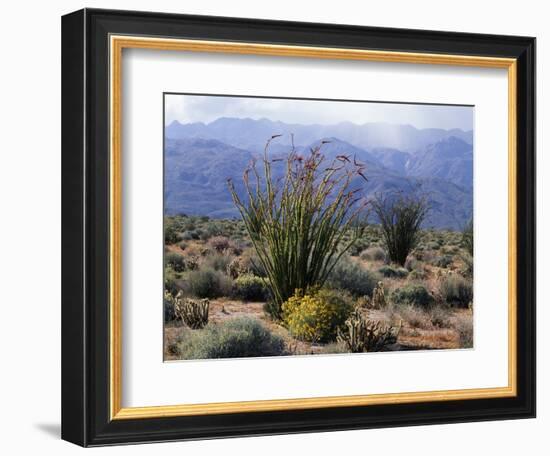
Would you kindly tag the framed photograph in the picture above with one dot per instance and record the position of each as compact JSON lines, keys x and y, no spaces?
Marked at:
{"x":279,"y":227}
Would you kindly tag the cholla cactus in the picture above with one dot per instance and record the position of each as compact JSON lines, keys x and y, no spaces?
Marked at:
{"x":194,"y":313}
{"x":379,"y":297}
{"x":236,"y":268}
{"x":363,"y":335}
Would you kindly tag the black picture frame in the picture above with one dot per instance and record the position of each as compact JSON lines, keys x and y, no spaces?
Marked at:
{"x":85,"y":228}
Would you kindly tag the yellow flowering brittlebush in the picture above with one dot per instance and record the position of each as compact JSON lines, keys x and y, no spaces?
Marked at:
{"x":316,"y":316}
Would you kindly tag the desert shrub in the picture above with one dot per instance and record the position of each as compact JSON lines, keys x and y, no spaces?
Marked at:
{"x":400,"y":219}
{"x":169,"y":310}
{"x":363,"y":335}
{"x":412,"y":263}
{"x":316,"y":317}
{"x":373,"y":254}
{"x":218,"y":261}
{"x":175,"y":261}
{"x":359,"y":246}
{"x":334,"y":348}
{"x":170,"y":281}
{"x":207,"y":283}
{"x":415,"y":294}
{"x":239,"y":337}
{"x":456,"y":290}
{"x":250,"y":262}
{"x":414,"y":316}
{"x":182,"y":245}
{"x":219,"y":243}
{"x":442,"y":261}
{"x":468,"y":237}
{"x":248,"y":287}
{"x":439,"y":317}
{"x":171,"y":235}
{"x":394,"y":272}
{"x":432,"y":245}
{"x":468,"y":261}
{"x":417,"y":274}
{"x":465,"y":328}
{"x":351,"y":276}
{"x":297,"y":223}
{"x":190,"y":235}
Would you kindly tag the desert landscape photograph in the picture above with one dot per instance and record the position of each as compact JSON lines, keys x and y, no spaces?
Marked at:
{"x":311,"y":227}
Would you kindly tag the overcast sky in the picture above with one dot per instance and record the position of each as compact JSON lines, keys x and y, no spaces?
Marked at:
{"x":198,"y":108}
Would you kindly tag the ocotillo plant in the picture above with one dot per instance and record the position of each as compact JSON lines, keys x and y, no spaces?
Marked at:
{"x":400,"y":218}
{"x":299,"y":222}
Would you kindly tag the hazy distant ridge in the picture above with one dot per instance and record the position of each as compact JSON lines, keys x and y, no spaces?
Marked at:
{"x":200,"y":157}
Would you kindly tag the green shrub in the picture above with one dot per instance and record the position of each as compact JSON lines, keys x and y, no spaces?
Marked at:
{"x":390,"y":271}
{"x":207,"y":283}
{"x":417,"y":274}
{"x":169,"y":311}
{"x":171,"y":235}
{"x":218,"y":261}
{"x":350,"y":276}
{"x":457,"y":290}
{"x":248,"y":287}
{"x":415,"y":294}
{"x":175,"y":261}
{"x":239,"y":337}
{"x":316,"y":317}
{"x":467,"y":240}
{"x":359,"y":246}
{"x":443,"y":261}
{"x":373,"y":254}
{"x":219,"y":243}
{"x":465,"y":329}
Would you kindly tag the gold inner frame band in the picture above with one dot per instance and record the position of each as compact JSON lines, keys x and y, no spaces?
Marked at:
{"x":117,"y":44}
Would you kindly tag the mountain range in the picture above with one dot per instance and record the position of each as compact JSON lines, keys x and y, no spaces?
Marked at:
{"x":199,"y":158}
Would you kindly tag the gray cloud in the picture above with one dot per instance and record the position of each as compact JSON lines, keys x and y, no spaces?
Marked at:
{"x":205,"y":108}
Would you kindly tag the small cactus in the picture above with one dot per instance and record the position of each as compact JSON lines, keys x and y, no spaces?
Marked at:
{"x":378,"y":296}
{"x":194,"y":313}
{"x":363,"y":335}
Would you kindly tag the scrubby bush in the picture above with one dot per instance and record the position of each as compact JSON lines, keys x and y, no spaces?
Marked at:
{"x":373,"y":254}
{"x":359,"y":246}
{"x":219,"y":243}
{"x":468,"y":237}
{"x":248,"y":287}
{"x":169,"y":311}
{"x":239,"y":337}
{"x":412,"y":263}
{"x":457,"y":290}
{"x":218,"y":261}
{"x":465,"y":328}
{"x":175,"y":261}
{"x":394,"y":272}
{"x":250,"y":262}
{"x":171,"y":235}
{"x":417,"y":274}
{"x":415,"y":294}
{"x":316,"y":317}
{"x":349,"y":275}
{"x":439,"y":317}
{"x":443,"y":261}
{"x":207,"y":283}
